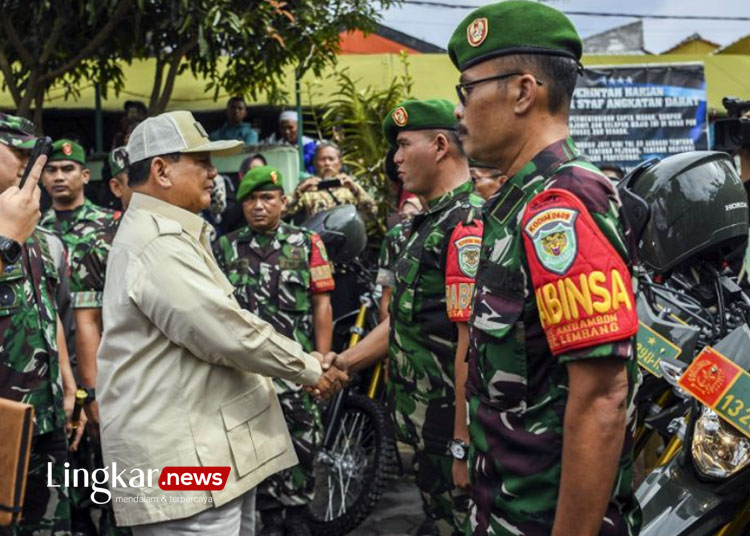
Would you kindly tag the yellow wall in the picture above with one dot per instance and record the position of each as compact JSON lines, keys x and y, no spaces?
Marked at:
{"x":434,"y":77}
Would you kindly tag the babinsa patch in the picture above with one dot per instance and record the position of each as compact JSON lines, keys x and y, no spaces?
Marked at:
{"x":554,"y":237}
{"x":468,"y":249}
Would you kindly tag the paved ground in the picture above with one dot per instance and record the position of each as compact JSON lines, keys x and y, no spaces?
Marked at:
{"x":399,"y":511}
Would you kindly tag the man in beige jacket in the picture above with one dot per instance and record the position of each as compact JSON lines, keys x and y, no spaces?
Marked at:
{"x":183,"y":369}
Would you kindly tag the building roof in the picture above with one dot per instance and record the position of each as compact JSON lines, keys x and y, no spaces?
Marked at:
{"x":625,"y":39}
{"x":740,"y":46}
{"x":385,"y":40}
{"x":693,"y":44}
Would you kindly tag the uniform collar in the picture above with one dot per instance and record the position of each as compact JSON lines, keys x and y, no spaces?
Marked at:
{"x":546,"y":160}
{"x":281,"y":233}
{"x":439,"y":203}
{"x":193,"y":224}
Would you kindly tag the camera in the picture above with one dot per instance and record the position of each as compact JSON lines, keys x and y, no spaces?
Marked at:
{"x":733,"y":133}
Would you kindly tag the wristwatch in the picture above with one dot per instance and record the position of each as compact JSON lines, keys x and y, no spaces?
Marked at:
{"x":90,"y":395}
{"x":459,"y":449}
{"x":10,"y":250}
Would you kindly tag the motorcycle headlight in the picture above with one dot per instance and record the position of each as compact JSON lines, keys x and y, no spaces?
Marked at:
{"x":718,"y":450}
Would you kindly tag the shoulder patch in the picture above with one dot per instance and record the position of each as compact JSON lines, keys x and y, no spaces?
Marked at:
{"x":553,"y":233}
{"x":468,"y":249}
{"x":583,"y":287}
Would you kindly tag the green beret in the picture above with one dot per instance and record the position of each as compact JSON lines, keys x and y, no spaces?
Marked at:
{"x":67,"y":150}
{"x":513,"y":27}
{"x":259,"y":178}
{"x":419,"y":115}
{"x":118,"y":160}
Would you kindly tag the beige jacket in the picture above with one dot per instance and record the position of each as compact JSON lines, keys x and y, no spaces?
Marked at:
{"x":184,"y":371}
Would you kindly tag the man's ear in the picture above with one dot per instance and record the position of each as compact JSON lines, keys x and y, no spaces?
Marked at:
{"x":115,"y":188}
{"x":527,"y":94}
{"x":284,"y":201}
{"x":160,"y":172}
{"x":85,"y":175}
{"x":442,"y":146}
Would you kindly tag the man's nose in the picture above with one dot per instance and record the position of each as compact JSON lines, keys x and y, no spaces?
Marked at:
{"x":458,"y":111}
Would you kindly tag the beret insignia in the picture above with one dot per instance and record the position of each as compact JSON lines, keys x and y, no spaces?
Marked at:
{"x":400,"y":117}
{"x":274,"y":177}
{"x":476,"y":32}
{"x":67,"y":149}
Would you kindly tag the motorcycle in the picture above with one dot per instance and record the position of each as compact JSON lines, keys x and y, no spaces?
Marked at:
{"x":688,"y":215}
{"x":358,"y":456}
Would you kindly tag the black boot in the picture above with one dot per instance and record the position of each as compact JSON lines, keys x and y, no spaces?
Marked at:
{"x":296,"y":521}
{"x":273,"y":522}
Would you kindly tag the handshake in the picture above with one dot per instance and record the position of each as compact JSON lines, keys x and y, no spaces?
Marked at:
{"x":333,"y":379}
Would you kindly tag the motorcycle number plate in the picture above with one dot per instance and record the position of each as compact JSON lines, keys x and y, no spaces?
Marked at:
{"x":717,"y":382}
{"x":651,"y":347}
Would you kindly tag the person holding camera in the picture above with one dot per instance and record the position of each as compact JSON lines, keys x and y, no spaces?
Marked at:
{"x":329,"y":188}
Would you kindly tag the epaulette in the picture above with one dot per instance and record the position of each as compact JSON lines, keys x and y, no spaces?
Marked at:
{"x":167,"y":226}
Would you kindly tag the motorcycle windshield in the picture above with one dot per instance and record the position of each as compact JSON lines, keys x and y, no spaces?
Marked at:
{"x":675,"y":503}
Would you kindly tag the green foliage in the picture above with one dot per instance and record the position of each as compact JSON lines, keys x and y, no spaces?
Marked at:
{"x":354,"y":118}
{"x":66,"y":42}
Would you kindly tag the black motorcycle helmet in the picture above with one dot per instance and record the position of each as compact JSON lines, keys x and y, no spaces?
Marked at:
{"x":342,"y":231}
{"x":686,"y":205}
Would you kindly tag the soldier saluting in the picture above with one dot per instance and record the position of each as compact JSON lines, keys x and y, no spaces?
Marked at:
{"x":281,"y":274}
{"x":552,"y":375}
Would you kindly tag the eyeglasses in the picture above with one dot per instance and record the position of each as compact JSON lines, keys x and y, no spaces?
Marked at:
{"x":461,"y":89}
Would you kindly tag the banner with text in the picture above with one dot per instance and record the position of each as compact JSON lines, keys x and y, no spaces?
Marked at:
{"x":627,"y":114}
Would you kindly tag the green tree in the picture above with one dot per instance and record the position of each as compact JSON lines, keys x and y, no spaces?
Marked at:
{"x":239,"y":46}
{"x":244,"y":47}
{"x":66,"y":42}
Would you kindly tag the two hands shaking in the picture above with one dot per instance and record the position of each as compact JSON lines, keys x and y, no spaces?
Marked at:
{"x":334,"y":378}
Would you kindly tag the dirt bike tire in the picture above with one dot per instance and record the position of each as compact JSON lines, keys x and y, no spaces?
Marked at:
{"x":374,"y":478}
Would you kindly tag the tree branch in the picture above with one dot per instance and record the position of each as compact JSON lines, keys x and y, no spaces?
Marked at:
{"x":15,"y":40}
{"x":156,"y":88}
{"x":54,"y":36}
{"x":122,"y":8}
{"x":172,"y":73}
{"x":7,"y":70}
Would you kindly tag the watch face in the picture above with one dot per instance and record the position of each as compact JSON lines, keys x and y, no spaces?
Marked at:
{"x":457,"y":450}
{"x":10,"y":250}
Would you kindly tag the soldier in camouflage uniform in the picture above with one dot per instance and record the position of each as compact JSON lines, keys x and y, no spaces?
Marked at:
{"x":426,"y":335}
{"x":86,"y":231}
{"x":552,"y":375}
{"x":393,"y":242}
{"x":34,"y":366}
{"x":281,"y":274}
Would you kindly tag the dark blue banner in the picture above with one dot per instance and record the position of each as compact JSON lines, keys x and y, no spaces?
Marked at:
{"x":625,"y":115}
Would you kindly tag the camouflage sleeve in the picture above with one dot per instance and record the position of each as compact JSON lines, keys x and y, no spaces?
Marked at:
{"x":385,"y":276}
{"x":461,"y":266}
{"x":582,"y":284}
{"x":365,"y":204}
{"x":88,"y":274}
{"x":321,"y":279}
{"x":220,"y":248}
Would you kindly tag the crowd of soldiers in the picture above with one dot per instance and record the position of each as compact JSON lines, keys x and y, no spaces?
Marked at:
{"x":520,"y":418}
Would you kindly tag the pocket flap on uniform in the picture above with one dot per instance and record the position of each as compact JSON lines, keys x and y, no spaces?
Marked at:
{"x":245,"y":407}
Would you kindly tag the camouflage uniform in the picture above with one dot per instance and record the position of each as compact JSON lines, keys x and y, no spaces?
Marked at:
{"x":434,"y":279}
{"x":310,"y":203}
{"x":30,"y":373}
{"x":87,"y":234}
{"x":393,"y":242}
{"x":274,"y":276}
{"x":517,"y":385}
